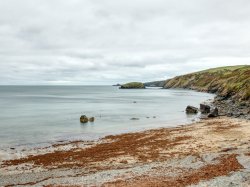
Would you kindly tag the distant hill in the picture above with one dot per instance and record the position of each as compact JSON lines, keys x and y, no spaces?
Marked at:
{"x":133,"y":85}
{"x":230,"y":81}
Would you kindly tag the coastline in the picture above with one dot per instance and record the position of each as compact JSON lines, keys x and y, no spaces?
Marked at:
{"x":176,"y":156}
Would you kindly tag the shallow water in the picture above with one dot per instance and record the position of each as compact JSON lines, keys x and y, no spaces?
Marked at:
{"x":32,"y":115}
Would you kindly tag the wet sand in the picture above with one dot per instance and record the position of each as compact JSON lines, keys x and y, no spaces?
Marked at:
{"x":212,"y":152}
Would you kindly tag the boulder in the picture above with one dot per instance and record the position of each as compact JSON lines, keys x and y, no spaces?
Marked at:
{"x":205,"y":109}
{"x":84,"y":119}
{"x":92,"y":119}
{"x":213,"y":113}
{"x":191,"y":110}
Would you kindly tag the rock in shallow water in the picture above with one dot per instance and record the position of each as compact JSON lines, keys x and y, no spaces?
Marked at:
{"x":92,"y":119}
{"x":191,"y":110}
{"x":84,"y":119}
{"x":134,"y":119}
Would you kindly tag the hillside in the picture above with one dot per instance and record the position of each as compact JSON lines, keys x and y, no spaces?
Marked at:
{"x":230,"y":82}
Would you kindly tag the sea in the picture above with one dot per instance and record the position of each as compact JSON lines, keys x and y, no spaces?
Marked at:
{"x":40,"y":115}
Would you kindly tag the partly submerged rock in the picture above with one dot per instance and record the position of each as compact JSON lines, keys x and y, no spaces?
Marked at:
{"x":92,"y":119}
{"x":84,"y":119}
{"x":213,"y":113}
{"x":191,"y":110}
{"x":134,"y":118}
{"x":133,"y":85}
{"x":205,"y":109}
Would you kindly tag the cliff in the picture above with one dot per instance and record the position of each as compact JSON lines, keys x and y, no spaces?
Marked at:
{"x":228,"y":82}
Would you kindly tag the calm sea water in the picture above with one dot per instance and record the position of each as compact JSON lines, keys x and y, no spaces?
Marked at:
{"x":32,"y":115}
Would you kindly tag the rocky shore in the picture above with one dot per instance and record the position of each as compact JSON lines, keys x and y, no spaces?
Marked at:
{"x":231,"y":84}
{"x":231,"y":108}
{"x":212,"y":152}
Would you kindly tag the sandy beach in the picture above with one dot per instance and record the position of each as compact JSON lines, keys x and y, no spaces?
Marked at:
{"x":212,"y":152}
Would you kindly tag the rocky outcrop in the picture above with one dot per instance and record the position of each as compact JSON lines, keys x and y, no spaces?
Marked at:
{"x":133,"y":85}
{"x":191,"y":110}
{"x":117,"y":84}
{"x":205,"y":109}
{"x":231,"y":108}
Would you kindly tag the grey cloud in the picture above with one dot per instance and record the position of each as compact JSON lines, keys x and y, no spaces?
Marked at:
{"x":104,"y":42}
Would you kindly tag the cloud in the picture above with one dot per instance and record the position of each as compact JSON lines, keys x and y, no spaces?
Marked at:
{"x":105,"y":42}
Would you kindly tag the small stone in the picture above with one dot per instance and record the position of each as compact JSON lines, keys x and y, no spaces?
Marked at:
{"x":134,"y":118}
{"x":92,"y":119}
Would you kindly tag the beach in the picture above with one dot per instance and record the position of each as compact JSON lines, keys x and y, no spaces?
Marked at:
{"x":211,"y":152}
{"x":124,"y":93}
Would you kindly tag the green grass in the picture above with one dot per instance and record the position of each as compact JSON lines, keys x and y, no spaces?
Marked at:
{"x":230,"y":81}
{"x":133,"y":85}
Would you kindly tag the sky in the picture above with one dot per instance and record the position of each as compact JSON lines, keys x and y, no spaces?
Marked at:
{"x":101,"y":42}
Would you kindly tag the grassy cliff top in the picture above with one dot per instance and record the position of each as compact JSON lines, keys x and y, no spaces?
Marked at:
{"x":230,"y":81}
{"x":133,"y":85}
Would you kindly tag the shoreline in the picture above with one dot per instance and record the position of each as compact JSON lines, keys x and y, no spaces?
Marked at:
{"x":19,"y":151}
{"x":149,"y":157}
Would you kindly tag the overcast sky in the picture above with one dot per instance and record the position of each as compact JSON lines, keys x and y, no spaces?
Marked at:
{"x":115,"y":41}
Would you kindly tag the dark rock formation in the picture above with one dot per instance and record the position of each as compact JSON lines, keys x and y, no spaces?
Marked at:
{"x":191,"y":110}
{"x":205,"y":109}
{"x":229,"y":107}
{"x":84,"y":119}
{"x":213,"y":113}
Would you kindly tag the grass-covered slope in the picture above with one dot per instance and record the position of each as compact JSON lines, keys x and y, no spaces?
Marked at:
{"x":133,"y":85}
{"x":231,"y":81}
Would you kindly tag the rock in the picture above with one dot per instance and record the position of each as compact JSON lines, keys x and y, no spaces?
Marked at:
{"x":84,"y":119}
{"x":213,"y":113}
{"x":92,"y":119}
{"x":205,"y":109}
{"x":134,"y":119}
{"x":191,"y":110}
